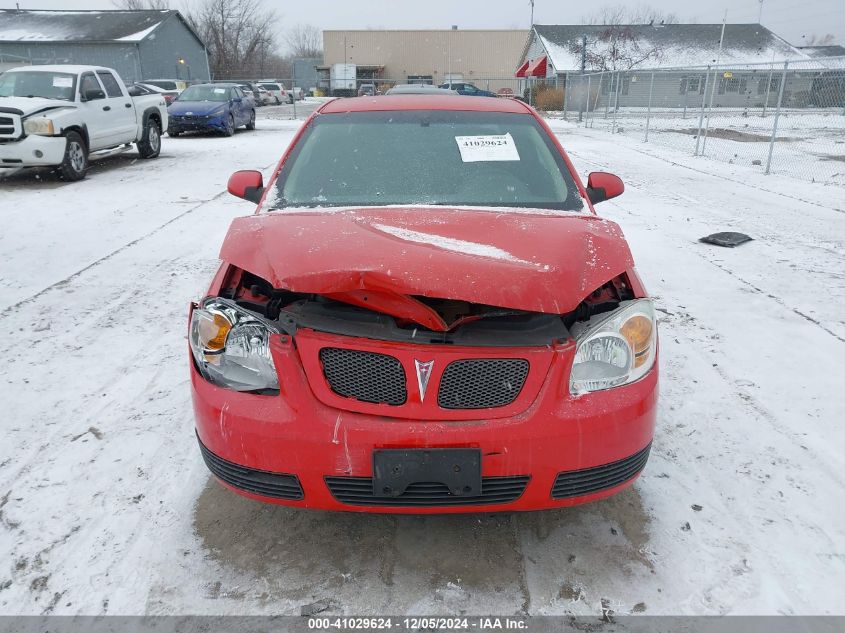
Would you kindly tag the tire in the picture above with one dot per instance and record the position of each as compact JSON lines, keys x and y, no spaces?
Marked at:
{"x":278,"y":101}
{"x":251,"y":123}
{"x":290,"y":99}
{"x":230,"y":126}
{"x":75,"y":162}
{"x":150,"y":144}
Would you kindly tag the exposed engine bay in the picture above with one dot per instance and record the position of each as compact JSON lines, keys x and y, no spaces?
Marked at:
{"x":384,"y":315}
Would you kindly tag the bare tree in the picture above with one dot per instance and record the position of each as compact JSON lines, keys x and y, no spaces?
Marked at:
{"x":137,"y":5}
{"x":238,"y":35}
{"x":616,"y":47}
{"x":620,"y":14}
{"x":305,"y":40}
{"x":819,"y":40}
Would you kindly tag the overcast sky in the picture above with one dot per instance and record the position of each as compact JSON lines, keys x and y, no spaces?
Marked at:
{"x":789,"y":19}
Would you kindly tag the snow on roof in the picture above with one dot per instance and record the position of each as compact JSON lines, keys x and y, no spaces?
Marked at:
{"x":76,"y":26}
{"x":675,"y":44}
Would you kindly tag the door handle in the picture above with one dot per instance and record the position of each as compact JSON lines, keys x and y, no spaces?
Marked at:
{"x":127,"y":105}
{"x":106,"y":108}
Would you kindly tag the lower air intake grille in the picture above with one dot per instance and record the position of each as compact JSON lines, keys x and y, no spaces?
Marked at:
{"x":365,"y":376}
{"x":576,"y":483}
{"x":481,"y":384}
{"x":259,"y":482}
{"x":358,"y":491}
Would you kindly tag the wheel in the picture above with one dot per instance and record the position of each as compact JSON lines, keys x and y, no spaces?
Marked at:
{"x":150,"y":144}
{"x":75,"y":162}
{"x":290,"y":98}
{"x":278,"y":101}
{"x":251,"y":124}
{"x":230,"y":126}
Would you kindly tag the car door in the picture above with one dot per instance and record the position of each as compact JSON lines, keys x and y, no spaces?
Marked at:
{"x":96,"y":111}
{"x":124,"y":124}
{"x":240,"y":106}
{"x":468,"y":89}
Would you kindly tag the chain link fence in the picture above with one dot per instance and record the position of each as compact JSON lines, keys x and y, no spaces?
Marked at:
{"x":781,"y":117}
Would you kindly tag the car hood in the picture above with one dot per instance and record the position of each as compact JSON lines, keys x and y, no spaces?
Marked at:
{"x":537,"y":261}
{"x":26,"y":106}
{"x":199,"y":108}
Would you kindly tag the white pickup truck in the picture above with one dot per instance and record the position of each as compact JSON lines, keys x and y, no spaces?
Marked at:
{"x":59,"y":115}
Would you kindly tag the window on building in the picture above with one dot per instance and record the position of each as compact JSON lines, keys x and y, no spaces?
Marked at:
{"x":614,"y":83}
{"x":735,"y":84}
{"x":768,"y":84}
{"x":692,"y":85}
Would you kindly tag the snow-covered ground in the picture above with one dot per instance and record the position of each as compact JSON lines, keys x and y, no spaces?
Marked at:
{"x":106,"y":506}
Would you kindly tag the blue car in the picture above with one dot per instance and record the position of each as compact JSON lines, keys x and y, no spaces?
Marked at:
{"x":211,"y":107}
{"x":463,"y":88}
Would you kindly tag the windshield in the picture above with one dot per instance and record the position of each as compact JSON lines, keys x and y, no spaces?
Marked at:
{"x":204,"y":93}
{"x":425,"y":157}
{"x":270,"y":86}
{"x":38,"y":84}
{"x":166,"y":85}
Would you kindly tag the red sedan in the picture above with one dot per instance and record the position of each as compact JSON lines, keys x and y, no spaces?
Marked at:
{"x":425,"y":314}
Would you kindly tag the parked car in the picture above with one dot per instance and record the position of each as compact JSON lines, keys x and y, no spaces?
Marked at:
{"x":60,"y":115}
{"x":177,"y":85}
{"x":297,"y":93}
{"x":251,"y":90}
{"x":367,"y":90}
{"x":464,"y":88}
{"x":142,"y":88}
{"x":419,"y":89}
{"x":277,"y":90}
{"x":446,"y":326}
{"x":264,"y":96}
{"x":211,"y":107}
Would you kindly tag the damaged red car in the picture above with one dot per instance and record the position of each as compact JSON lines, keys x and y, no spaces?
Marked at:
{"x":425,"y":314}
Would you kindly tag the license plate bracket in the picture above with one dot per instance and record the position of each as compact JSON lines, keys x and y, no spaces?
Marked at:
{"x":459,"y":469}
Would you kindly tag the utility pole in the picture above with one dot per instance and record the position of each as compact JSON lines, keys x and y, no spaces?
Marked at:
{"x":760,"y":13}
{"x":583,"y":70}
{"x":531,"y":2}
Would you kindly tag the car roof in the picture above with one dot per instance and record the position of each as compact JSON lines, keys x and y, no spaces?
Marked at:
{"x":60,"y":68}
{"x":424,"y":102}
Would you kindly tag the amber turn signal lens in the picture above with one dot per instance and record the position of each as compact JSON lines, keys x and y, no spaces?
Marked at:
{"x":637,"y":331}
{"x":213,"y":332}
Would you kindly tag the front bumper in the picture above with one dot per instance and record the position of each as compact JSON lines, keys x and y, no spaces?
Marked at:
{"x":295,"y":450}
{"x":197,"y":124}
{"x":25,"y":152}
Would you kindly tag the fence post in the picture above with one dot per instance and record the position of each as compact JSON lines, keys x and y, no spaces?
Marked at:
{"x":609,"y":95}
{"x":587,"y":98}
{"x":293,"y":87}
{"x":615,"y":104}
{"x":565,"y":93}
{"x":701,"y":114}
{"x":777,"y":116}
{"x":648,"y":111}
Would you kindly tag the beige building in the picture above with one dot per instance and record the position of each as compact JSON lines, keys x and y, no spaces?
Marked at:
{"x":486,"y":58}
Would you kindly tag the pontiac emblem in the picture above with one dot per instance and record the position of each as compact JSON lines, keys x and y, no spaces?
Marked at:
{"x":423,"y":374}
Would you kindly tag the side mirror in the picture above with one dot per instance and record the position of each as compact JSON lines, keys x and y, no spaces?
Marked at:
{"x":248,"y":184}
{"x":93,"y":95}
{"x":602,"y":186}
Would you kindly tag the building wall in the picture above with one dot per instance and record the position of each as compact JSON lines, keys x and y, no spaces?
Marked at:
{"x":477,"y":55}
{"x":164,"y":47}
{"x":123,"y":57}
{"x":155,"y":57}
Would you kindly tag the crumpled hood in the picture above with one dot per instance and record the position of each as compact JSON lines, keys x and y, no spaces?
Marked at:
{"x":513,"y":259}
{"x":27,"y":106}
{"x":198,"y":108}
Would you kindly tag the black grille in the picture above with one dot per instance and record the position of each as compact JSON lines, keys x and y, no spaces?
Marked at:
{"x":259,"y":482}
{"x":365,"y":376}
{"x":358,"y":491}
{"x":7,"y":125}
{"x":576,"y":483}
{"x":482,"y":383}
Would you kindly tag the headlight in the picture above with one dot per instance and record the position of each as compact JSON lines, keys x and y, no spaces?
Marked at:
{"x":38,"y":125}
{"x":232,"y":346}
{"x":218,"y":111}
{"x":614,"y":349}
